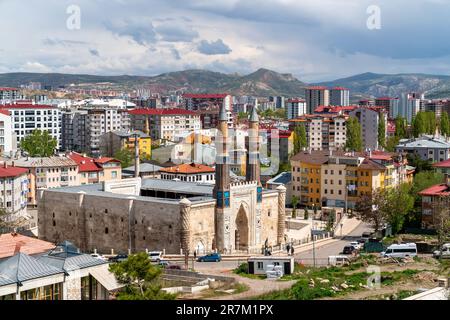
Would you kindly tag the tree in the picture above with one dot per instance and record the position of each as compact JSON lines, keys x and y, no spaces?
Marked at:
{"x":280,"y":113}
{"x":7,"y":221}
{"x":242,"y":115}
{"x":39,"y":144}
{"x":125,"y":156}
{"x":382,"y":132}
{"x":441,"y":219}
{"x":444,"y":124}
{"x":354,"y":140}
{"x":330,"y":221}
{"x":367,"y":211}
{"x":300,"y":140}
{"x":385,"y":206}
{"x":295,"y":201}
{"x":417,"y":162}
{"x":400,"y":127}
{"x":140,"y":278}
{"x":391,"y":143}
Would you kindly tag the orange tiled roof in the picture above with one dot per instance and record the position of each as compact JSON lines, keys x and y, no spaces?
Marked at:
{"x":24,"y":244}
{"x":188,"y":168}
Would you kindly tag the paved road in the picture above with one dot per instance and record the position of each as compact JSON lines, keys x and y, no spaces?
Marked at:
{"x":334,"y":248}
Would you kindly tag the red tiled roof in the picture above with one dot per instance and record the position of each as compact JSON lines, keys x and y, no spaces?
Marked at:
{"x":188,"y":168}
{"x":386,"y":98}
{"x":103,"y":160}
{"x":161,"y":112}
{"x":10,"y":172}
{"x":442,"y":164}
{"x":436,"y":190}
{"x":85,"y":164}
{"x":205,"y":95}
{"x":8,"y":89}
{"x":26,"y":106}
{"x":339,"y":88}
{"x":334,"y":109}
{"x":316,"y":88}
{"x":5,"y":112}
{"x":28,"y":245}
{"x":295,"y":100}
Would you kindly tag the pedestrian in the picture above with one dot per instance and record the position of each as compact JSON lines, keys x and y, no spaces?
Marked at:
{"x":292,"y":250}
{"x":288,"y":248}
{"x":195,"y":254}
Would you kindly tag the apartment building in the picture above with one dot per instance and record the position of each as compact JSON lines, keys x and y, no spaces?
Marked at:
{"x":27,"y":117}
{"x":165,"y":124}
{"x":316,"y":96}
{"x":95,"y":170}
{"x":8,"y":142}
{"x":13,"y":194}
{"x":48,"y":172}
{"x":295,"y":108}
{"x":339,"y":96}
{"x":198,"y":102}
{"x":437,"y":106}
{"x":9,"y":94}
{"x":323,"y":132}
{"x":369,"y":118}
{"x":434,"y":149}
{"x":82,"y":128}
{"x":339,"y":179}
{"x":390,"y":104}
{"x":113,"y":141}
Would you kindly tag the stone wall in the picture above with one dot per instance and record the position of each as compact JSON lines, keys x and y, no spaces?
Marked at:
{"x":104,"y":222}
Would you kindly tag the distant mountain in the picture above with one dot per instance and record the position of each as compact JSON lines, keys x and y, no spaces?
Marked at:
{"x":260,"y":83}
{"x":376,"y":85}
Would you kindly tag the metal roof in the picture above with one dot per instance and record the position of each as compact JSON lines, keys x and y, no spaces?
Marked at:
{"x":178,"y":186}
{"x":45,"y":162}
{"x":282,"y":178}
{"x":143,"y":167}
{"x":23,"y":267}
{"x":424,"y":142}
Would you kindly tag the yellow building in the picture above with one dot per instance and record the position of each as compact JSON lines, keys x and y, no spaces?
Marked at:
{"x":340,"y":179}
{"x":113,"y":141}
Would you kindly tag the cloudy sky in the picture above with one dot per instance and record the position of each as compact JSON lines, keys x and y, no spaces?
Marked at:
{"x":314,"y":40}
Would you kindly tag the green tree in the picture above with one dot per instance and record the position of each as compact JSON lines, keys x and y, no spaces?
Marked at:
{"x":417,"y":162}
{"x":367,"y":211}
{"x":294,"y":201}
{"x":444,"y":124}
{"x":330,"y":221}
{"x":396,"y":206}
{"x":39,"y":144}
{"x":400,"y":127}
{"x":354,"y":140}
{"x":391,"y":143}
{"x":425,"y":179}
{"x":140,"y":278}
{"x":300,"y":140}
{"x":280,"y":113}
{"x":125,"y":156}
{"x":242,"y":115}
{"x":382,"y":132}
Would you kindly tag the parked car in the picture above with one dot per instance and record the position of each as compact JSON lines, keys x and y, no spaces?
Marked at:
{"x":212,"y":257}
{"x":403,"y":250}
{"x":366,"y":235}
{"x":155,"y":256}
{"x":349,"y":250}
{"x":445,"y":252}
{"x":167,"y":265}
{"x":356,"y":244}
{"x":119,"y":258}
{"x":98,"y":256}
{"x":338,"y":261}
{"x":362,"y":241}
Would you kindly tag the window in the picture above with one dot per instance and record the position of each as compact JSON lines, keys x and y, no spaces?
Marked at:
{"x":259,"y":265}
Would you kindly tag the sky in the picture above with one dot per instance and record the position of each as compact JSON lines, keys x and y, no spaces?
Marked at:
{"x":315,"y":40}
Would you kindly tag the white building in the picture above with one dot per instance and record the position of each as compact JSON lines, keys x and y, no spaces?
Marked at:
{"x":165,"y":124}
{"x":9,"y":94}
{"x":190,"y":172}
{"x":27,"y":117}
{"x":7,"y":138}
{"x":295,"y":108}
{"x":339,"y":96}
{"x":14,"y":189}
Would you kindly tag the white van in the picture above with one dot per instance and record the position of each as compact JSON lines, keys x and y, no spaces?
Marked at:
{"x":338,"y":261}
{"x":155,"y":256}
{"x":400,"y":250}
{"x":445,"y":251}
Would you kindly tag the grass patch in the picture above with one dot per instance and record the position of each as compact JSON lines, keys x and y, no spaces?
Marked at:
{"x":242,"y":271}
{"x":237,"y":287}
{"x":315,"y":283}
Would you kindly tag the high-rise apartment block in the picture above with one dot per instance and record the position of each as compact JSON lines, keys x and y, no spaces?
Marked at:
{"x":316,"y":96}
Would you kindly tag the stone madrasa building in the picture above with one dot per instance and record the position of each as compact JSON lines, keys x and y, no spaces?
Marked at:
{"x":137,"y":214}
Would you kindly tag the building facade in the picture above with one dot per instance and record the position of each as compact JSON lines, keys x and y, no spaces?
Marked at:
{"x":316,"y":96}
{"x":434,"y":149}
{"x":295,"y":108}
{"x":369,"y":118}
{"x":339,"y":96}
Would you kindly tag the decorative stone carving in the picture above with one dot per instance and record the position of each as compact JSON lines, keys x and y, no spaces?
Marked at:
{"x":281,"y":213}
{"x":185,"y":209}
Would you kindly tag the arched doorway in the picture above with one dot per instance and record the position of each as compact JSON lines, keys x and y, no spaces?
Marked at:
{"x":241,"y":233}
